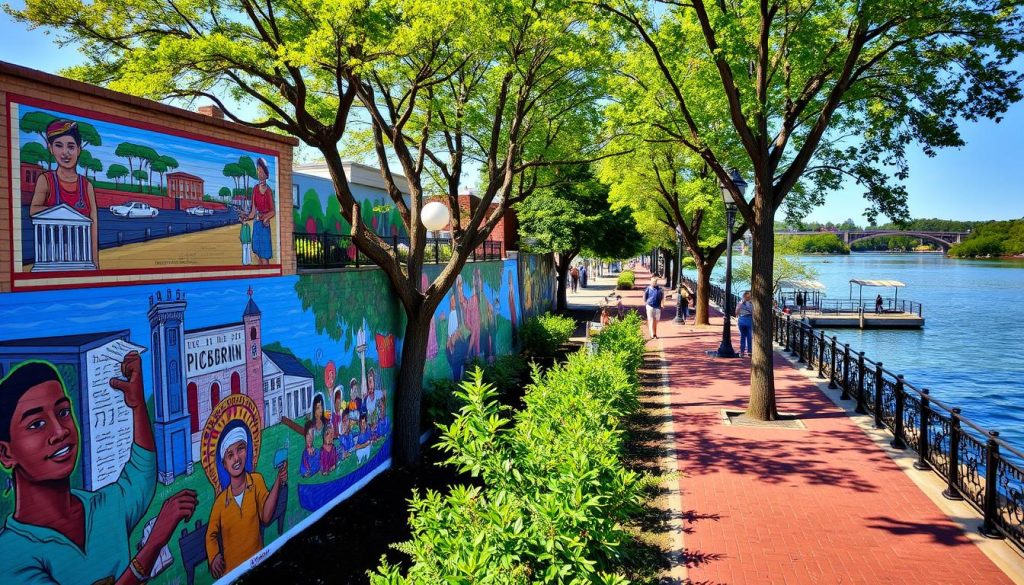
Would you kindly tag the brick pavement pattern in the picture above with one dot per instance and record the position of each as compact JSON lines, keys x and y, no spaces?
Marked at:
{"x":779,"y":506}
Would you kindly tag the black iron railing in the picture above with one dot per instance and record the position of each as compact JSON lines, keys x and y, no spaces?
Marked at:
{"x":976,"y":464}
{"x":321,"y":251}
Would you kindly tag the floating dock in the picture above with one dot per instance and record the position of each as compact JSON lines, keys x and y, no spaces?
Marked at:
{"x":856,"y":321}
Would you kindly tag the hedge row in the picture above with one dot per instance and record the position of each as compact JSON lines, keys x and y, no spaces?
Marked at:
{"x":627,"y":278}
{"x":554,"y":492}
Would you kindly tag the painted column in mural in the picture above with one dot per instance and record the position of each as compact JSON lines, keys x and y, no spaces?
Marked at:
{"x":171,"y":426}
{"x":252,"y":318}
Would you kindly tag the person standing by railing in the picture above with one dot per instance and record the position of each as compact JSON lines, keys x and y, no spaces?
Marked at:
{"x":878,"y":305}
{"x":745,"y":321}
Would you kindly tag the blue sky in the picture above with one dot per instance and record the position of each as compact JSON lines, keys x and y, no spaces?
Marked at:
{"x":975,"y":182}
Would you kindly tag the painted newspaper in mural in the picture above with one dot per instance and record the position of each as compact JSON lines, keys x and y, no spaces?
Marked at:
{"x":95,"y":197}
{"x":173,"y":434}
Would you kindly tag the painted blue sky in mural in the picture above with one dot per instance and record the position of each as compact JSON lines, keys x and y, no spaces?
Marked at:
{"x":202,"y":159}
{"x":209,"y":304}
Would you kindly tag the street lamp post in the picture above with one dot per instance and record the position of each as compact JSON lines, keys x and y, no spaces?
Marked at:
{"x":679,"y":277}
{"x":725,"y":350}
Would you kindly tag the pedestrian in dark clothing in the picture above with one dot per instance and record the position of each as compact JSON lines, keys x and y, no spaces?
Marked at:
{"x":583,"y":276}
{"x":574,"y":278}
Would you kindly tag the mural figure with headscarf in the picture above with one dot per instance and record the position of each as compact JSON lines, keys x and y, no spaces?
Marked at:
{"x":230,"y":448}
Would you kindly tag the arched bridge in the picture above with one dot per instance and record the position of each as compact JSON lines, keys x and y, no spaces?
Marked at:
{"x":944,"y":240}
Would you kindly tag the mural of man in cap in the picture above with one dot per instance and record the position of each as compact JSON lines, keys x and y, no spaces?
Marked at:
{"x":244,"y":504}
{"x":58,"y":534}
{"x":65,"y":185}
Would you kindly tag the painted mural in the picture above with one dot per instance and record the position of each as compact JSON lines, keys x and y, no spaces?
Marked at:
{"x":96,"y":197}
{"x":196,"y":425}
{"x":317,"y":210}
{"x":539,"y":284}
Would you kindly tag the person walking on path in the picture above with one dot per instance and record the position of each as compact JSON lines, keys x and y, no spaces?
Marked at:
{"x":745,"y":321}
{"x":684,"y":303}
{"x":800,"y":301}
{"x":878,"y":305}
{"x":653,"y":296}
{"x":574,"y":278}
{"x":583,"y":276}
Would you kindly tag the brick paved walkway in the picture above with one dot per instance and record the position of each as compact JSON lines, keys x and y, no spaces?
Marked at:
{"x":778,"y":506}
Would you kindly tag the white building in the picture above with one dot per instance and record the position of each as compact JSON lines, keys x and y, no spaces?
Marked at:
{"x":63,"y":240}
{"x":297,"y":385}
{"x":273,"y":393}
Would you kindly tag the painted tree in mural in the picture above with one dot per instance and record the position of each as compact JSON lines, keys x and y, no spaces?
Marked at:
{"x":506,"y":85}
{"x":235,"y":172}
{"x":89,"y":163}
{"x":131,"y":152}
{"x":37,"y":154}
{"x":802,"y":95}
{"x":248,"y":168}
{"x":575,"y":217}
{"x":117,"y":172}
{"x":162,"y":164}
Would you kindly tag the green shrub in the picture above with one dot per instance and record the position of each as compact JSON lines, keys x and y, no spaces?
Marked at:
{"x":555,"y":493}
{"x":505,"y":373}
{"x":623,"y":336}
{"x":544,"y":334}
{"x":627,"y":278}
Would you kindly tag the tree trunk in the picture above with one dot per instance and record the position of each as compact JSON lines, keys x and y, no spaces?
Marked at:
{"x":562,"y":265}
{"x":703,"y":294}
{"x":762,"y":375}
{"x":409,"y":390}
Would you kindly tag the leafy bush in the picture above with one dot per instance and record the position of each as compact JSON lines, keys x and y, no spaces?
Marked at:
{"x":505,"y":373}
{"x":544,"y":334}
{"x":627,"y":278}
{"x":555,"y":494}
{"x":623,"y":337}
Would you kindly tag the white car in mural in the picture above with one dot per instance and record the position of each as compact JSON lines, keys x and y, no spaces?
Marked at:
{"x":133,"y":209}
{"x":199,"y":210}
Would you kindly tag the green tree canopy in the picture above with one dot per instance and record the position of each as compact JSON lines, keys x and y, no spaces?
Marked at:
{"x":117,"y":172}
{"x":576,"y":217}
{"x":802,"y":96}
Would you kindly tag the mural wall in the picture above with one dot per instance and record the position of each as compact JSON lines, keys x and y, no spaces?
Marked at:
{"x":540,"y":287}
{"x":196,"y":425}
{"x":317,"y":210}
{"x":97,"y":197}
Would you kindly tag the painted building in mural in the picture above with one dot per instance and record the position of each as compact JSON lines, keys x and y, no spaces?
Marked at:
{"x":180,"y":373}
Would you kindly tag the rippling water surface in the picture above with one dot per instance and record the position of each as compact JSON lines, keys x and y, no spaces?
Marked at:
{"x":971,"y":351}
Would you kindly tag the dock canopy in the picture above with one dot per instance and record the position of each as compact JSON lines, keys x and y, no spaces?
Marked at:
{"x":801,"y":285}
{"x":885,"y":283}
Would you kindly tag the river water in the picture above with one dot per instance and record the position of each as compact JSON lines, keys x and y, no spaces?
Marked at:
{"x":970,"y":352}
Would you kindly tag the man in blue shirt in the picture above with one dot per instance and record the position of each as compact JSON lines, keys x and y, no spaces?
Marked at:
{"x":653,"y":296}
